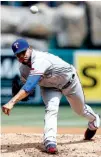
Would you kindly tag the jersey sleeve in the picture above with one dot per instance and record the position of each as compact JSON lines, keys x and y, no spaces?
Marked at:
{"x":31,"y":83}
{"x":39,"y":66}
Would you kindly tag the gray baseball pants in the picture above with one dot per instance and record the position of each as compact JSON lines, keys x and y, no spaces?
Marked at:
{"x":75,"y":96}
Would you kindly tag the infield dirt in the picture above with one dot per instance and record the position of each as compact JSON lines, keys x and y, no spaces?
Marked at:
{"x":29,"y":144}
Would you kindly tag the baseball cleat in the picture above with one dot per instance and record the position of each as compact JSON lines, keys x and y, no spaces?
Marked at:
{"x":89,"y":134}
{"x":51,"y":148}
{"x":93,"y":126}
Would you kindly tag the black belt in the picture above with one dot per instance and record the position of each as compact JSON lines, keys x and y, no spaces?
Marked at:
{"x":68,"y":83}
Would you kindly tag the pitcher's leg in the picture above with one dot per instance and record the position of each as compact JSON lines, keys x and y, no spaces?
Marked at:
{"x":78,"y":105}
{"x":51,"y":99}
{"x":77,"y":102}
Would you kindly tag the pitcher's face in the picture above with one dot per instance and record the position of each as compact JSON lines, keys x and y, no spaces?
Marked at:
{"x":24,"y":56}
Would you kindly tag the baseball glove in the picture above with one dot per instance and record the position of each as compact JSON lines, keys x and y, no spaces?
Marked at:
{"x":16,"y":86}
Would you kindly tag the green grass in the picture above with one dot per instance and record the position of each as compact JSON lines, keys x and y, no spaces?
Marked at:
{"x":34,"y":116}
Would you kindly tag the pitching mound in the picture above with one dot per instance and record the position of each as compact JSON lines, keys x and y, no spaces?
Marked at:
{"x":30,"y":145}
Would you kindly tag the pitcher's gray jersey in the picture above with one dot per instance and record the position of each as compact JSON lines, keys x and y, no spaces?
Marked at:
{"x":55,"y":72}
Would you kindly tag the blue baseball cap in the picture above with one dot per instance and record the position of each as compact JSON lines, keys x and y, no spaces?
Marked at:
{"x":19,"y":45}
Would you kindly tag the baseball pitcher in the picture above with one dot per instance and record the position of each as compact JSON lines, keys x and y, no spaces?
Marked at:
{"x":56,"y":78}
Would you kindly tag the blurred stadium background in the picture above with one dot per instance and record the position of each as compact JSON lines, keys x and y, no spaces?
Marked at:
{"x":69,"y":29}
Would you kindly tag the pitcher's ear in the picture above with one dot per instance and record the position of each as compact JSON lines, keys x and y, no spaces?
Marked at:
{"x":30,"y":47}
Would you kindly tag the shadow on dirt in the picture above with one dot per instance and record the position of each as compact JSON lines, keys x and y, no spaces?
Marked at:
{"x":15,"y":147}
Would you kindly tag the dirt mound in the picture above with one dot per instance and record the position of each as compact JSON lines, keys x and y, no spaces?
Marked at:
{"x":30,"y":145}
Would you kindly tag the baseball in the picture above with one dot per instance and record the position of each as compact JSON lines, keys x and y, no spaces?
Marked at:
{"x":34,"y":9}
